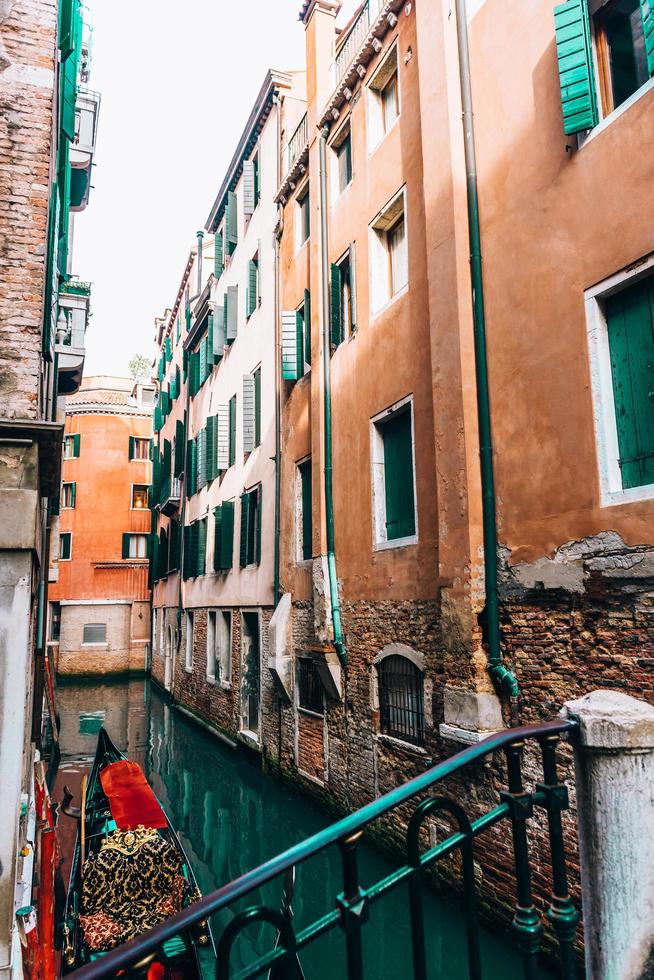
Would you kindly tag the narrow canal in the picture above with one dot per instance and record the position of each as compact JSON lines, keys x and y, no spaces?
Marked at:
{"x":230,"y":817}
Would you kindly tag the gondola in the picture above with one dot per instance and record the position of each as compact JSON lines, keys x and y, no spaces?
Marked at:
{"x":129,"y":872}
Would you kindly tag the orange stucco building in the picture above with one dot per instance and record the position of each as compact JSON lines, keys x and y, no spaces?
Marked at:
{"x":99,"y":620}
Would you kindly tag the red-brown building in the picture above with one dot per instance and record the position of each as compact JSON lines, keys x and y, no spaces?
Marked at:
{"x":99,"y":620}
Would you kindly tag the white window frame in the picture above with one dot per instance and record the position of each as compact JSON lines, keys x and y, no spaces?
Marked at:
{"x":70,"y":534}
{"x":212,"y":617}
{"x":95,"y":643}
{"x":335,"y":144}
{"x":141,"y":535}
{"x":188,"y":641}
{"x":377,"y":478}
{"x":299,"y":560}
{"x":224,"y":631}
{"x":303,"y":192}
{"x":141,"y":459}
{"x":141,"y":486}
{"x":64,"y":506}
{"x":606,"y":432}
{"x":380,"y":258}
{"x":155,"y":647}
{"x":376,"y":132}
{"x":69,"y":441}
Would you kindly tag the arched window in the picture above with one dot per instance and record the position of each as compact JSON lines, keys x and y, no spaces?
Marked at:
{"x":401,"y":699}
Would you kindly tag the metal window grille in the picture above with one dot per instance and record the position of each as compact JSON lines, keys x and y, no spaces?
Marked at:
{"x":401,"y":700}
{"x":95,"y":633}
{"x":309,"y":686}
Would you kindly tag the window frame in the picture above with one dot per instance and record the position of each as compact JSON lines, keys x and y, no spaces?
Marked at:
{"x":612,"y":492}
{"x":140,"y":535}
{"x":138,"y":442}
{"x":597,"y":9}
{"x":68,"y":485}
{"x":94,"y":643}
{"x":380,"y":541}
{"x":222,"y":654}
{"x":188,"y":640}
{"x":338,"y":141}
{"x":300,"y":558}
{"x":138,"y":487}
{"x":382,"y":663}
{"x":380,"y":229}
{"x":69,"y":535}
{"x":309,"y":687}
{"x":376,"y":128}
{"x":303,"y":194}
{"x":55,"y":617}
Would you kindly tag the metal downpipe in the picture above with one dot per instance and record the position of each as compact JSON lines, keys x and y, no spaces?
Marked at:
{"x":500,"y":674}
{"x":278,"y":382}
{"x":326,"y":358}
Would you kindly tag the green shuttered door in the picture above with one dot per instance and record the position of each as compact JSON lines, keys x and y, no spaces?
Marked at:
{"x":398,"y":477}
{"x":630,"y":320}
{"x":574,"y":53}
{"x":647,"y":13}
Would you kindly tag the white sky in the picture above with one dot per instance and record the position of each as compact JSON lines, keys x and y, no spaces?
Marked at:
{"x":177,"y":82}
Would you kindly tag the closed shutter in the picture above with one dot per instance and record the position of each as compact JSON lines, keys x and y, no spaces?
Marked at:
{"x":257,"y":182}
{"x":245,"y":502}
{"x":201,"y":554}
{"x":126,"y":541}
{"x":630,"y":321}
{"x":232,"y":313}
{"x":217,"y":536}
{"x":210,"y":450}
{"x":161,"y":368}
{"x":574,"y":53}
{"x":194,"y":374}
{"x":248,"y":413}
{"x":231,"y":222}
{"x":252,"y":295}
{"x":307,"y":326}
{"x":76,"y":444}
{"x":68,"y":91}
{"x":201,"y":458}
{"x":73,"y":494}
{"x":257,"y":407}
{"x":647,"y":13}
{"x":202,"y":370}
{"x":185,"y":360}
{"x":186,"y":561}
{"x":157,"y":418}
{"x":218,"y":333}
{"x":191,"y":467}
{"x":307,"y":502}
{"x":336,"y":306}
{"x":353,"y":286}
{"x":218,"y":264}
{"x":210,"y":358}
{"x":232,"y":430}
{"x":398,"y":476}
{"x":68,"y":11}
{"x":66,"y":546}
{"x":132,"y":447}
{"x":248,"y":187}
{"x":258,"y":524}
{"x":290,"y":359}
{"x":227,"y":541}
{"x":222,"y":438}
{"x":180,"y":442}
{"x":168,"y":349}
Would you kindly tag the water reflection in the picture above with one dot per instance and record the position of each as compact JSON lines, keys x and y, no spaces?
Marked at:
{"x":230,"y":818}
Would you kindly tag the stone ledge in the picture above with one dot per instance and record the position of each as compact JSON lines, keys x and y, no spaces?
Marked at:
{"x":463,"y":735}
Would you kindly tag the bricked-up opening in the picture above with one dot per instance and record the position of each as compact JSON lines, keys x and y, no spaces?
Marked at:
{"x":309,"y":686}
{"x":401,"y":700}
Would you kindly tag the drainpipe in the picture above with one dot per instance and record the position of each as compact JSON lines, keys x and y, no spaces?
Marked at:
{"x":326,"y":357}
{"x":278,"y":384}
{"x":200,"y":235}
{"x":502,"y":677}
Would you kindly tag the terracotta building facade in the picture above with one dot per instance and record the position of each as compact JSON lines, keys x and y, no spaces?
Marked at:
{"x":99,"y":598}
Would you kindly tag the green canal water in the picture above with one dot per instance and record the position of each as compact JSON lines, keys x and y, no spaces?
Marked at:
{"x":230,"y":817}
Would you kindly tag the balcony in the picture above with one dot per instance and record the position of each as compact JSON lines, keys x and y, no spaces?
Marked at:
{"x":355,"y":38}
{"x":83,"y":147}
{"x":171,"y":492}
{"x":70,"y":341}
{"x":297,"y":143}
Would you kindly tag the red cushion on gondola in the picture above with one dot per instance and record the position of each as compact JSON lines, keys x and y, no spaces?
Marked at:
{"x":131,"y":800}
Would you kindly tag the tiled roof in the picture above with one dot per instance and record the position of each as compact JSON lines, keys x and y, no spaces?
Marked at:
{"x":99,"y":397}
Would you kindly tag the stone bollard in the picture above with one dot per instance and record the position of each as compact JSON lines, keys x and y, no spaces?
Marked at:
{"x":614,"y":767}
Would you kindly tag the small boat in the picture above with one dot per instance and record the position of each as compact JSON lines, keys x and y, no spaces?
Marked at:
{"x":129,"y":872}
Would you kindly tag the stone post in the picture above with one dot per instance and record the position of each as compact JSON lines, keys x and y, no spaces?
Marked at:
{"x":614,"y":765}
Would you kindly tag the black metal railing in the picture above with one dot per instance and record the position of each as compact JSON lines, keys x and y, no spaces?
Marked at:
{"x":352,"y":905}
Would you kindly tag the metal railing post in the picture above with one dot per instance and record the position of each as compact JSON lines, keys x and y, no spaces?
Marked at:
{"x":353,"y":906}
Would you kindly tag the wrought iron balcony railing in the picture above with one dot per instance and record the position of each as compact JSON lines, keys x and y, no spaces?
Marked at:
{"x":297,"y":142}
{"x":350,"y":46}
{"x":351,"y":906}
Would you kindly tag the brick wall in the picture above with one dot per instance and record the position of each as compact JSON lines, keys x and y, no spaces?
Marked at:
{"x":122,"y":653}
{"x":27,"y":34}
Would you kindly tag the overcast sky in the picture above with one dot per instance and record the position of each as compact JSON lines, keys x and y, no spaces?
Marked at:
{"x":177,"y":82}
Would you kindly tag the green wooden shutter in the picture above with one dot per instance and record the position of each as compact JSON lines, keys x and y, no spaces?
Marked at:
{"x":194,"y":374}
{"x":222,"y":438}
{"x":259,"y":522}
{"x":227,"y":539}
{"x":217,"y":536}
{"x":574,"y":53}
{"x":210,"y":461}
{"x":647,"y":13}
{"x":252,"y":297}
{"x":76,"y":444}
{"x":232,"y":430}
{"x":290,"y":359}
{"x":257,"y":407}
{"x":307,"y":503}
{"x":257,"y":188}
{"x":125,"y":552}
{"x":398,"y":476}
{"x":336,"y":301}
{"x":178,"y":328}
{"x":202,"y":363}
{"x":299,"y":342}
{"x":68,"y":11}
{"x":218,"y":264}
{"x":307,"y":326}
{"x":73,"y":494}
{"x":68,"y":89}
{"x":231,"y":222}
{"x":191,"y":467}
{"x":132,"y":447}
{"x":245,"y":510}
{"x":630,"y":321}
{"x":168,"y":349}
{"x":66,"y":546}
{"x":161,"y":368}
{"x":201,"y":457}
{"x":353,"y":286}
{"x":180,"y":442}
{"x":248,"y":413}
{"x":232,"y":313}
{"x":201,"y":555}
{"x":185,"y":360}
{"x":248,"y":187}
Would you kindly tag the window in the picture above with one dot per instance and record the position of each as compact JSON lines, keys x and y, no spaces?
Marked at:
{"x":188,"y":659}
{"x":71,"y":446}
{"x":252,"y":298}
{"x":65,"y":546}
{"x":251,"y":527}
{"x":147,"y":396}
{"x":388,"y":253}
{"x":394,"y":504}
{"x":620,"y":47}
{"x":296,"y":340}
{"x":94,"y":633}
{"x":401,"y":699}
{"x":257,"y":179}
{"x":342,"y":160}
{"x":68,"y":494}
{"x":232,"y":430}
{"x":302,"y":218}
{"x":223,"y":547}
{"x":139,"y":448}
{"x":135,"y":546}
{"x":343,"y":298}
{"x":304,"y":512}
{"x":55,"y":620}
{"x":257,"y":407}
{"x":211,"y":646}
{"x":383,"y":99}
{"x":139,"y":496}
{"x":310,"y":692}
{"x":219,"y":642}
